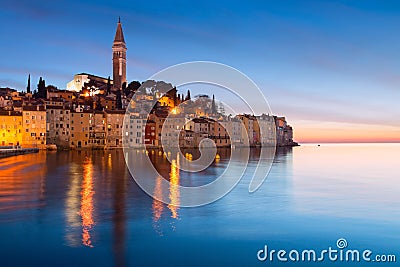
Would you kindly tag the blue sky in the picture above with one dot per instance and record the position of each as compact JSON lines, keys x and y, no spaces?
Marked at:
{"x":331,"y":67}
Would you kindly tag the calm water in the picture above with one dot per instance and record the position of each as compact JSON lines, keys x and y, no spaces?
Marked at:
{"x":83,"y":209}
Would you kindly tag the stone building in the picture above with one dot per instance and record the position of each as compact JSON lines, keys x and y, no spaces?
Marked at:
{"x":134,"y":131}
{"x":97,"y":129}
{"x":247,"y":129}
{"x":233,"y":127}
{"x":58,"y":126}
{"x":150,"y":133}
{"x":218,"y":133}
{"x":79,"y":129}
{"x":115,"y":121}
{"x":284,"y":132}
{"x":34,"y":126}
{"x":267,"y":130}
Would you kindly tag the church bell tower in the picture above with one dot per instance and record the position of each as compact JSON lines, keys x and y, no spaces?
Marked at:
{"x":119,"y":58}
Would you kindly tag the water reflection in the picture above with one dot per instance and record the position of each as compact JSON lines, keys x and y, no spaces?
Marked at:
{"x":87,"y":208}
{"x":72,"y":206}
{"x":174,"y":188}
{"x":79,"y":201}
{"x":118,"y":172}
{"x":174,"y":194}
{"x":23,"y":182}
{"x":157,"y":205}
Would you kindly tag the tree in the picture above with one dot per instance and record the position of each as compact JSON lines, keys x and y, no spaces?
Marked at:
{"x":221,"y":108}
{"x":41,"y":89}
{"x":188,"y":96}
{"x":213,"y":107}
{"x":108,"y":86}
{"x":118,"y":99}
{"x":51,"y":87}
{"x":123,"y":87}
{"x":132,"y":87}
{"x":28,"y":88}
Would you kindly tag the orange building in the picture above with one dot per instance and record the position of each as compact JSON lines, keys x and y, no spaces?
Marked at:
{"x":34,"y":126}
{"x":10,"y":128}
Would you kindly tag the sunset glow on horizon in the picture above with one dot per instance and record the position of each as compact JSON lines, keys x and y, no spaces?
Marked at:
{"x":347,"y":133}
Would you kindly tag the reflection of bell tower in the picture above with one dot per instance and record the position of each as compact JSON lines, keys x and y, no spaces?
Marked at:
{"x":119,"y":58}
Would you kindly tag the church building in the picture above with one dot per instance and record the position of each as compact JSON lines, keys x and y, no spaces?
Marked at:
{"x":99,"y":84}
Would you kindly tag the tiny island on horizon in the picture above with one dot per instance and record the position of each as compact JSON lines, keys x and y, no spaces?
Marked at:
{"x":90,"y":114}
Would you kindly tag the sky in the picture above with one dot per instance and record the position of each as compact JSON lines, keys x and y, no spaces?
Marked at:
{"x":332,"y":68}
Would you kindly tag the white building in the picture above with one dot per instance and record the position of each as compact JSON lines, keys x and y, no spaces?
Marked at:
{"x":134,"y":131}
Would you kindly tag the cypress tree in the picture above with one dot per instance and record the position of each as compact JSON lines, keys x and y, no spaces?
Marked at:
{"x":118,"y":100}
{"x":28,"y":88}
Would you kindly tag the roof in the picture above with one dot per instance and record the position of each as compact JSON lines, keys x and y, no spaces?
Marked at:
{"x":33,"y":108}
{"x":54,"y":107}
{"x":119,"y":35}
{"x":10,"y":113}
{"x":200,"y":120}
{"x":115,"y":111}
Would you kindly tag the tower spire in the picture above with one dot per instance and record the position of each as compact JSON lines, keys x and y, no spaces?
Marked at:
{"x":119,"y":57}
{"x":119,"y":35}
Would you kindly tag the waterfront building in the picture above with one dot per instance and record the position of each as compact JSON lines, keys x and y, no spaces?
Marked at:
{"x":80,"y":129}
{"x":115,"y":121}
{"x":171,"y":130}
{"x":58,"y":126}
{"x":218,"y":133}
{"x":284,"y":132}
{"x":97,"y":129}
{"x":134,"y":131}
{"x":267,"y":129}
{"x":34,"y":126}
{"x":247,"y":129}
{"x":10,"y":128}
{"x":150,"y":133}
{"x":186,"y":139}
{"x":233,"y":127}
